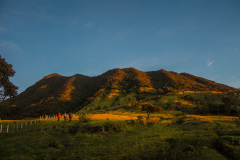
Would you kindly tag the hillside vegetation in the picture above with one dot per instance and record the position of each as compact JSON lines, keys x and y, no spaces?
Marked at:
{"x":123,"y":114}
{"x":116,"y":89}
{"x":174,"y":136}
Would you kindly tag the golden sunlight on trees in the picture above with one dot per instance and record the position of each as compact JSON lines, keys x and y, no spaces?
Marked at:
{"x":7,"y":88}
{"x":149,"y":108}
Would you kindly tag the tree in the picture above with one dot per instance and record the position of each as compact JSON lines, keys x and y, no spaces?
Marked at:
{"x":234,"y":98}
{"x":7,"y":88}
{"x":149,"y":108}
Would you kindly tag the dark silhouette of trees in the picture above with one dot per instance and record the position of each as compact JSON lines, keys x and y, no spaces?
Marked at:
{"x":7,"y":88}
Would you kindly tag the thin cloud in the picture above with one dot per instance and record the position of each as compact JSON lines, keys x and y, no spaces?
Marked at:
{"x":210,"y":63}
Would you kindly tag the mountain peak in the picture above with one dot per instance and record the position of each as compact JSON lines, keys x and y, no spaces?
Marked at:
{"x":53,"y":75}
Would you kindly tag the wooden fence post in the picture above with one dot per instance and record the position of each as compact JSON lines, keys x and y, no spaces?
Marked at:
{"x":21,"y":126}
{"x":17,"y":127}
{"x":7,"y":128}
{"x":1,"y":129}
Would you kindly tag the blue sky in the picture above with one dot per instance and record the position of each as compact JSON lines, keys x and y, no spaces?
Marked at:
{"x":200,"y":37}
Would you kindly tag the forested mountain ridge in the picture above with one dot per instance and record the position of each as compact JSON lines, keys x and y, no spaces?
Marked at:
{"x":56,"y":93}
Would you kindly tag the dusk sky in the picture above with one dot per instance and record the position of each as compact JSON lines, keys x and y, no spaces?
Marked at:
{"x":89,"y":37}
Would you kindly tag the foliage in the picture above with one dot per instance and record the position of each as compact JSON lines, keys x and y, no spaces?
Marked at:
{"x":83,"y":118}
{"x":171,"y":81}
{"x":7,"y":88}
{"x":115,"y":89}
{"x":149,"y":108}
{"x":193,"y":140}
{"x":233,"y":98}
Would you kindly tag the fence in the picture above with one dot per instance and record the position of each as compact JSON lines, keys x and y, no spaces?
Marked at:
{"x":10,"y":127}
{"x":15,"y":126}
{"x":54,"y":117}
{"x":48,"y":117}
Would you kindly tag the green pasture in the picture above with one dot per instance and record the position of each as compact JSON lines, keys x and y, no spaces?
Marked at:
{"x":180,"y":138}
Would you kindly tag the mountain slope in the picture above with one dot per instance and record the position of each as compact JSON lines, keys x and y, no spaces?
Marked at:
{"x":114,"y":88}
{"x":184,"y":81}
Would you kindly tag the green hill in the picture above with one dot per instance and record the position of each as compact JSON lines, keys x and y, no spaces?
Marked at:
{"x":114,"y":89}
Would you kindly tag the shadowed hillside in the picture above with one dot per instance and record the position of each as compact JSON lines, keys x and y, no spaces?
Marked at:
{"x":184,"y":81}
{"x":117,"y":87}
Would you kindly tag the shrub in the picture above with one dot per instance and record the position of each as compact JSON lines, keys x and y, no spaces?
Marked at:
{"x":83,"y":118}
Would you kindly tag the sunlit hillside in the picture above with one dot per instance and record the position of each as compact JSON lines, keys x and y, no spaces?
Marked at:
{"x":115,"y":89}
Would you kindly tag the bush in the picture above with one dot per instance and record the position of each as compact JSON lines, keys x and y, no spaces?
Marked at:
{"x":83,"y":118}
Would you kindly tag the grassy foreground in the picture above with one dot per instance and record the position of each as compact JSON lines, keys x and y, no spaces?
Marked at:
{"x":124,"y":136}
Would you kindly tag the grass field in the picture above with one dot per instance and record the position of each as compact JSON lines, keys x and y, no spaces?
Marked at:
{"x":123,"y":135}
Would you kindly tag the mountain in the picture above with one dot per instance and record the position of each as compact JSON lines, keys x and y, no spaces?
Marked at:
{"x":184,"y":81}
{"x":56,"y":93}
